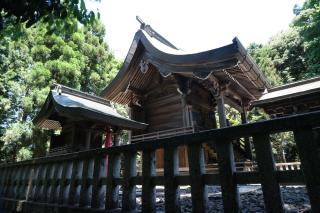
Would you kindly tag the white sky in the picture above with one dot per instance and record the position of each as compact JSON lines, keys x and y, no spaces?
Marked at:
{"x":195,"y":25}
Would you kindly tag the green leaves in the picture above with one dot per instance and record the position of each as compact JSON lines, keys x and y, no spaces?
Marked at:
{"x":307,"y":22}
{"x":50,"y":12}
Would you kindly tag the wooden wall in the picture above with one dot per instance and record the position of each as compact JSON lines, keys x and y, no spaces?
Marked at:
{"x":163,"y":111}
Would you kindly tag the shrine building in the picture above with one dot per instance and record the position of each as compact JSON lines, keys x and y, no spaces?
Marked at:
{"x":82,"y":119}
{"x":177,"y":92}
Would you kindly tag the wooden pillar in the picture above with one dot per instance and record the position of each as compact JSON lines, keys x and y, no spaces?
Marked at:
{"x":247,"y":140}
{"x":184,"y":102}
{"x":88,"y":139}
{"x":130,"y":117}
{"x":221,"y":111}
{"x":115,"y":139}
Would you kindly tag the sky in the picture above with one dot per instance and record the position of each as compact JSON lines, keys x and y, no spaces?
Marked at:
{"x":194,"y":26}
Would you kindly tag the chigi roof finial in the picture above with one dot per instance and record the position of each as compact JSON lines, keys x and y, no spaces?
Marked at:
{"x":141,"y":22}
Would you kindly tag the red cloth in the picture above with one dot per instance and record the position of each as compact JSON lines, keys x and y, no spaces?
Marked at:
{"x":107,"y":144}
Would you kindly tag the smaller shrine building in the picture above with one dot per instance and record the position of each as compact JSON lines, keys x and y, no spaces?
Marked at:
{"x":82,"y":119}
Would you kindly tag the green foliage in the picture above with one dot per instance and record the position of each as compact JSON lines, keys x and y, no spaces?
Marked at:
{"x":81,"y":60}
{"x":282,"y":59}
{"x":280,"y":142}
{"x":307,"y":22}
{"x":56,"y":14}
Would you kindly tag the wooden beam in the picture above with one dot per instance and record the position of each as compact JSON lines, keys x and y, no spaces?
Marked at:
{"x":135,"y":90}
{"x":212,"y":78}
{"x":232,"y":104}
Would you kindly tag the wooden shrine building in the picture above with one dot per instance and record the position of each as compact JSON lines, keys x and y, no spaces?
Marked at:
{"x":173,"y":91}
{"x":289,"y":99}
{"x":82,"y":119}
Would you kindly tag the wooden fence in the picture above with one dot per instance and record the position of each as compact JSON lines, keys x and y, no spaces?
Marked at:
{"x":76,"y":182}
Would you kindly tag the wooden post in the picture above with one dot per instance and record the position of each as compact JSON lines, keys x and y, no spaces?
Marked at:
{"x":267,"y":170}
{"x":148,"y":189}
{"x":56,"y":175}
{"x":115,"y":139}
{"x":171,"y":170}
{"x":75,"y":174}
{"x":247,"y":140}
{"x":64,"y":190}
{"x":98,"y":190}
{"x":199,"y":192}
{"x":29,"y":195}
{"x":310,"y":163}
{"x":84,"y":200}
{"x":130,"y":117}
{"x":112,"y":193}
{"x":194,"y":126}
{"x":221,"y":111}
{"x":129,"y":190}
{"x":44,"y":196}
{"x":19,"y":179}
{"x":184,"y":102}
{"x":88,"y":139}
{"x":229,"y":188}
{"x":41,"y":175}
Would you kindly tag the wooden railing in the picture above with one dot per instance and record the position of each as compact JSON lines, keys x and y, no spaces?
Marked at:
{"x":77,"y":182}
{"x":64,"y":149}
{"x":288,"y":166}
{"x":165,"y":133}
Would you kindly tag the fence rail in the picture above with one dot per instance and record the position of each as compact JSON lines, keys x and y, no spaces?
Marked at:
{"x":165,"y":133}
{"x":76,"y":182}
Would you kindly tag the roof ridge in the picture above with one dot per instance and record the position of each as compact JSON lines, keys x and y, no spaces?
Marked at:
{"x":293,"y":84}
{"x":81,"y":94}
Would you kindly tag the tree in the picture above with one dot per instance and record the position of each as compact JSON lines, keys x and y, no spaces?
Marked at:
{"x":81,"y":60}
{"x":307,"y":22}
{"x":283,"y":145}
{"x":282,"y":56}
{"x":57,"y":14}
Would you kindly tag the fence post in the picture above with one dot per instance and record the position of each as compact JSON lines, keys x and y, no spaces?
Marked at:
{"x":40,"y":176}
{"x":85,"y":199}
{"x":171,"y":189}
{"x":76,"y":174}
{"x":14,"y":178}
{"x":199,"y":191}
{"x":64,"y":190}
{"x":148,"y":190}
{"x":112,"y":195}
{"x":229,"y":188}
{"x":3,"y":179}
{"x":129,"y":190}
{"x":267,"y":170}
{"x":22,"y":195}
{"x":53,"y":194}
{"x":16,"y":192}
{"x":6,"y":186}
{"x":49,"y":171}
{"x":310,"y":164}
{"x":98,"y":190}
{"x":33,"y":172}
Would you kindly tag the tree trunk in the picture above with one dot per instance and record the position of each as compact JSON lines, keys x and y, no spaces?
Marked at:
{"x":283,"y":156}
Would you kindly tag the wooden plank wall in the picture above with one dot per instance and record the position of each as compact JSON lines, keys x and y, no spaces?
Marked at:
{"x":163,"y":111}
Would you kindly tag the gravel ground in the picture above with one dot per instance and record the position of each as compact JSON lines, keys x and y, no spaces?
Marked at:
{"x":295,"y":199}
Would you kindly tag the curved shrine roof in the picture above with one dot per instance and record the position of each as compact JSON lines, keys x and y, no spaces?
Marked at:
{"x":228,"y":63}
{"x":81,"y":106}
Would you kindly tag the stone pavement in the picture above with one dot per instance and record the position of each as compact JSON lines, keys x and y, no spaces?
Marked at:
{"x":295,"y":199}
